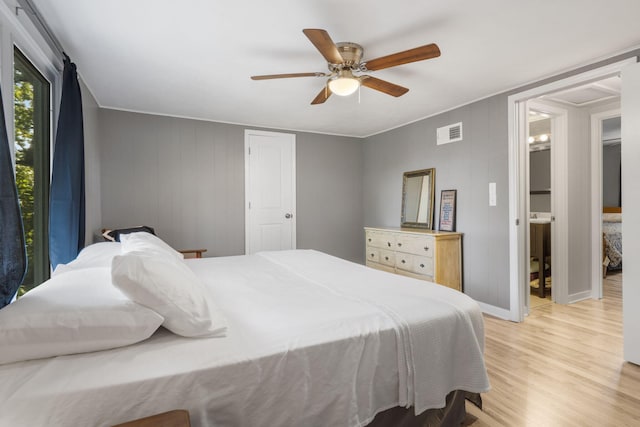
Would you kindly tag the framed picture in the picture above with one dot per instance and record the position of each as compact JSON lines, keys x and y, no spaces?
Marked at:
{"x":447,"y":210}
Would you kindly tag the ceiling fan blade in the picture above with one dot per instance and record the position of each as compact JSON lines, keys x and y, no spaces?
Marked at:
{"x":286,"y":76}
{"x":412,"y":55}
{"x":322,"y":41}
{"x":383,"y":86}
{"x":324,"y":94}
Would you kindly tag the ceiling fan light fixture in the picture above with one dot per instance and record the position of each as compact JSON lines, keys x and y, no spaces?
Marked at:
{"x":344,"y":84}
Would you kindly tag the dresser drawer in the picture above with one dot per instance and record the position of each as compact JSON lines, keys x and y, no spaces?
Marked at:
{"x":380,"y":239}
{"x":373,"y":254}
{"x":418,"y":245}
{"x":404,"y":261}
{"x":423,"y":265}
{"x":387,"y":257}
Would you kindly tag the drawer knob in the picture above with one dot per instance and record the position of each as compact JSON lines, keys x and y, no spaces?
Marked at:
{"x":403,"y":261}
{"x":426,"y":248}
{"x":371,"y":255}
{"x":369,"y":238}
{"x":389,"y":244}
{"x":399,"y":244}
{"x":386,"y":258}
{"x":421,"y":265}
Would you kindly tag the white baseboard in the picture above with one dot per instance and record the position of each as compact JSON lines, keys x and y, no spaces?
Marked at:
{"x":495,"y":311}
{"x":580,"y":296}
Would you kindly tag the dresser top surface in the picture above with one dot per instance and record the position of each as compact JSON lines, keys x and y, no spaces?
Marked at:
{"x":415,"y":231}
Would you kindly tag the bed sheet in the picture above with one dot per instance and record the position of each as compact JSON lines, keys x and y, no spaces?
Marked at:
{"x":613,"y":237}
{"x":312,"y":340}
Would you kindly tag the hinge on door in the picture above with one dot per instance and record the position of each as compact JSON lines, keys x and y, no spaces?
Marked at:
{"x":249,"y":150}
{"x":517,"y":221}
{"x":249,"y":205}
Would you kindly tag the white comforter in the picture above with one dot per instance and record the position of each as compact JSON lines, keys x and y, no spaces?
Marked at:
{"x":312,"y":341}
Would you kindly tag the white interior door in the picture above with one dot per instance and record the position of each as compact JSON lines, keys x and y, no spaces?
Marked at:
{"x":270,"y":191}
{"x":631,"y":211}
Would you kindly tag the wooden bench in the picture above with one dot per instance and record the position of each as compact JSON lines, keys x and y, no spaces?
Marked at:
{"x":192,"y":253}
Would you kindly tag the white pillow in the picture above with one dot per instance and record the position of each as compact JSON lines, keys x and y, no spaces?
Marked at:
{"x":76,"y":312}
{"x":167,"y":286}
{"x":612,"y":217}
{"x":96,"y":255}
{"x":147,"y":242}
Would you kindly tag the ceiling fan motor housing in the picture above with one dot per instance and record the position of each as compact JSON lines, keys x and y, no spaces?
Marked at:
{"x":351,"y":54}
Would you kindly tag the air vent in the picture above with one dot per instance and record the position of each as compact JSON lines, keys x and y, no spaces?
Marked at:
{"x":451,"y":133}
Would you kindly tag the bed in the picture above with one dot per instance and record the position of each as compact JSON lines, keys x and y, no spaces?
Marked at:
{"x":612,"y":238}
{"x":310,"y":340}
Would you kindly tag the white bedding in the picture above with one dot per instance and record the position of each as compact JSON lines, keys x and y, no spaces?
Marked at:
{"x":312,"y":340}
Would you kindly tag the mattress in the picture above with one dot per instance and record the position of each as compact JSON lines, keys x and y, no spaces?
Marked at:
{"x":312,"y":340}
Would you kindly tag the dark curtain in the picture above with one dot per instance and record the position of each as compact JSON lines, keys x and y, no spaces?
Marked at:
{"x":67,"y":206}
{"x":13,"y":255}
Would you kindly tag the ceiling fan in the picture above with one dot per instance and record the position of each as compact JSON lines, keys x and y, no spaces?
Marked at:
{"x":347,"y":69}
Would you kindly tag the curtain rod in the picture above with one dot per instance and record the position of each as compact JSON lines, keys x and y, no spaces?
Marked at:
{"x":41,"y":25}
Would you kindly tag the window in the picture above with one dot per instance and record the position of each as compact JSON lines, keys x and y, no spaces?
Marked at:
{"x":32,"y":142}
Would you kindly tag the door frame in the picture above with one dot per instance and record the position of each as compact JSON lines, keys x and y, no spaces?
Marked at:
{"x":247,"y":184}
{"x":596,"y":198}
{"x":517,"y":130}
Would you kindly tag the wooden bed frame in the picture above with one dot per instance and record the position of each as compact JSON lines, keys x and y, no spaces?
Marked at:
{"x":611,"y":209}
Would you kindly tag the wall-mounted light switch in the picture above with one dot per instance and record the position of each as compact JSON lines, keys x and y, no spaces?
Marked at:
{"x":492,"y":194}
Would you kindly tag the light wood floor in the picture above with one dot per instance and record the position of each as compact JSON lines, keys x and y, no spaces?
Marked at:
{"x":562,"y":366}
{"x":535,"y":301}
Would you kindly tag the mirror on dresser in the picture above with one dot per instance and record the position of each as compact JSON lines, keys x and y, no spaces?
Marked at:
{"x":418,"y":188}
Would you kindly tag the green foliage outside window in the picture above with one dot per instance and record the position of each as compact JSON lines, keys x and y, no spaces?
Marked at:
{"x":32,"y":136}
{"x":25,"y":177}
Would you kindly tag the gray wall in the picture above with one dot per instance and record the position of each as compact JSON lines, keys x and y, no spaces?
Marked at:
{"x":467,"y":166}
{"x":329,"y":195}
{"x":186,"y":179}
{"x":611,"y":175}
{"x":579,"y":202}
{"x":90,"y":111}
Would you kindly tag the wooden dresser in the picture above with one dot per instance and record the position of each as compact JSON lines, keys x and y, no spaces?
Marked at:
{"x":435,"y":256}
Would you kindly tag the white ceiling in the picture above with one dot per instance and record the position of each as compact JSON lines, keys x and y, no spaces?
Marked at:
{"x":193,"y":58}
{"x":606,"y":90}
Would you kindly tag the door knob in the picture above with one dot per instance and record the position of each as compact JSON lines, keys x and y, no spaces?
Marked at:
{"x":288,"y":215}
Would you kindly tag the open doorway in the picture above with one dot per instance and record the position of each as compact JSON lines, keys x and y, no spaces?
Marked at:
{"x":548,"y":192}
{"x":606,"y":144}
{"x":572,"y":197}
{"x":580,"y":105}
{"x":612,"y":194}
{"x":540,"y":141}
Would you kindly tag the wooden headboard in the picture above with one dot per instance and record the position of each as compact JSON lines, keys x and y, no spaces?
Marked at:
{"x":611,"y":209}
